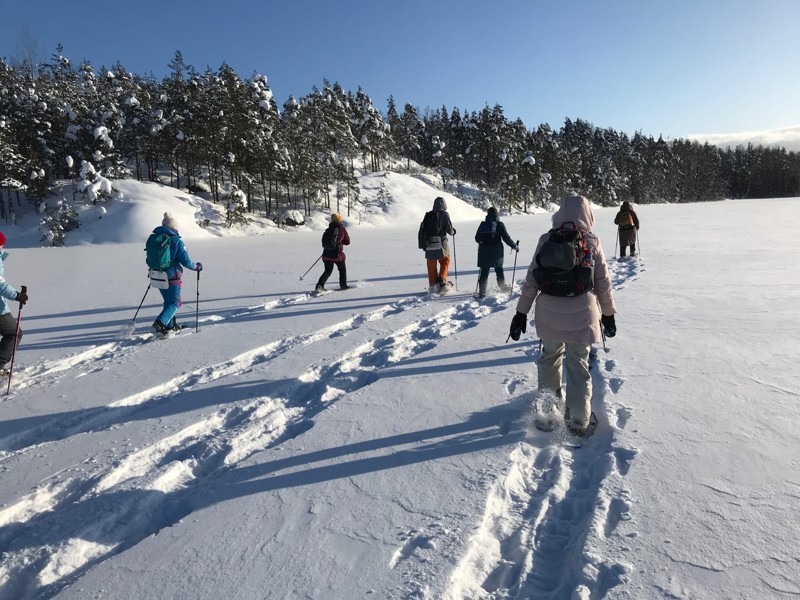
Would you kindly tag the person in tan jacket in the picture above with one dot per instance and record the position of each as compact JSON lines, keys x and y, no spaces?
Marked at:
{"x":569,"y":325}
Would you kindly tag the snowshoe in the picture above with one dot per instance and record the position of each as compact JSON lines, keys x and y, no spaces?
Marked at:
{"x":547,"y":411}
{"x":584,"y":432}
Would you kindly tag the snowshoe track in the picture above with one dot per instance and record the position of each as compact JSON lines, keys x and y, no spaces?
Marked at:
{"x":113,"y":505}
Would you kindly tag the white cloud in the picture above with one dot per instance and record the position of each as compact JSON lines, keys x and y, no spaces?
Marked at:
{"x":787,"y":137}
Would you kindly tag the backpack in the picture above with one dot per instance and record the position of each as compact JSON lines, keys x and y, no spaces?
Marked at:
{"x":487,"y":232}
{"x":432,"y":224}
{"x":430,"y":227}
{"x":157,"y":248}
{"x":565,"y":265}
{"x":330,"y":242}
{"x":625,"y":219}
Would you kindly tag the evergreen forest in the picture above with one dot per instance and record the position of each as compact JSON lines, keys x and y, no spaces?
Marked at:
{"x":214,"y":131}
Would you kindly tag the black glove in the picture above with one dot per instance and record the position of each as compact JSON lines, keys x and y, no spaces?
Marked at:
{"x":519,"y":325}
{"x":199,"y":266}
{"x":609,"y":325}
{"x":22,"y":297}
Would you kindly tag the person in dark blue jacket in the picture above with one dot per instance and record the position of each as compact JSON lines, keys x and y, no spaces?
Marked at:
{"x":490,"y":237}
{"x":8,"y":324}
{"x":179,"y":258}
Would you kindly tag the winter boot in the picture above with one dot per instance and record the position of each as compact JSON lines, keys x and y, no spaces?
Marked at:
{"x":160,"y":327}
{"x":482,"y":283}
{"x":175,"y":327}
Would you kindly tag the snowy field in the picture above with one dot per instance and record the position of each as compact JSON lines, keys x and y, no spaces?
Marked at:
{"x":375,"y":443}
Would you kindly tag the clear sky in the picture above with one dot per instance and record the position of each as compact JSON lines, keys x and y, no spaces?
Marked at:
{"x":671,"y":67}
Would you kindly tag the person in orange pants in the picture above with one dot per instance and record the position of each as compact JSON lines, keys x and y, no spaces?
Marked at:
{"x":434,"y":229}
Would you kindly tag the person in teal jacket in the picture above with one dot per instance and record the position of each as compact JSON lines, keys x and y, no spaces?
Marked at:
{"x":8,"y":324}
{"x":490,"y":237}
{"x":179,"y":258}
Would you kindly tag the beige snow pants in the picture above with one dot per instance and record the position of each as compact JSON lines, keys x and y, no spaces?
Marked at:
{"x":579,"y":380}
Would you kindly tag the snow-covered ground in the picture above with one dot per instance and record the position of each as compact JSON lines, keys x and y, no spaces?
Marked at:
{"x":376,"y":443}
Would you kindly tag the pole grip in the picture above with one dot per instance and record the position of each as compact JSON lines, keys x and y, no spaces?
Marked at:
{"x":24,"y":289}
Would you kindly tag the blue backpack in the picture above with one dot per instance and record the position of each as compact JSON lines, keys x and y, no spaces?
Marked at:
{"x":487,"y":232}
{"x":157,"y":248}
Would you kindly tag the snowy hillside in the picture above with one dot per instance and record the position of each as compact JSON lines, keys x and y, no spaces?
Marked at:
{"x":375,"y":443}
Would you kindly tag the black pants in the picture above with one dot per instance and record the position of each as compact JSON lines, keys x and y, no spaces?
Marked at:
{"x":329,"y":269}
{"x":8,"y":329}
{"x":483,"y":278}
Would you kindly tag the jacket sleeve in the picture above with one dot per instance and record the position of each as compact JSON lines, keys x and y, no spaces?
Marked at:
{"x":447,"y":224}
{"x":635,"y":219}
{"x":7,"y":291}
{"x":530,"y":289}
{"x":507,"y":238}
{"x":345,"y":237}
{"x":182,"y":256}
{"x":602,"y":282}
{"x":616,"y":219}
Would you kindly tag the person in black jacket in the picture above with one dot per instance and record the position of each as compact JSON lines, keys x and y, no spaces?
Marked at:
{"x":490,"y":237}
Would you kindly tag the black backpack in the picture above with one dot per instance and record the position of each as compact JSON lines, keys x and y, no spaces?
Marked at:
{"x":432,"y":224}
{"x":430,"y":227}
{"x":330,"y":242}
{"x":487,"y":232}
{"x":565,"y":265}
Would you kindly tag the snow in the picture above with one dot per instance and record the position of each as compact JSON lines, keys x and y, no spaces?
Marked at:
{"x":376,"y":443}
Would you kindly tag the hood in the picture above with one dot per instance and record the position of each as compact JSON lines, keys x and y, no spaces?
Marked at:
{"x":576,"y":209}
{"x":626,"y":205}
{"x":161,"y":229}
{"x":439,"y":204}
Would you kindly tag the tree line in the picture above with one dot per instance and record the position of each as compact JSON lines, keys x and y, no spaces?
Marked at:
{"x":214,"y":131}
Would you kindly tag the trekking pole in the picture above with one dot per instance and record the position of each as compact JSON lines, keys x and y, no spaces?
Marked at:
{"x":455,"y":260}
{"x":140,"y":304}
{"x":639,"y":241}
{"x":513,"y":271}
{"x":616,"y":239}
{"x":309,"y":268}
{"x":16,"y":341}
{"x":197,"y":306}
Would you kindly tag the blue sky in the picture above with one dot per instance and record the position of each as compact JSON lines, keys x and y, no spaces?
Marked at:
{"x":676,"y":68}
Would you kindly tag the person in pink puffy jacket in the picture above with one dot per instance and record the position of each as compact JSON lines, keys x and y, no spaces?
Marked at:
{"x":569,"y":325}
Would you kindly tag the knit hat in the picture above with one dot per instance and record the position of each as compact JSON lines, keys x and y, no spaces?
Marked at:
{"x":2,"y":239}
{"x":492,"y":211}
{"x":169,"y":221}
{"x":336,"y":218}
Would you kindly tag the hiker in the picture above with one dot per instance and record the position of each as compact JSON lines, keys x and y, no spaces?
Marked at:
{"x":570,"y":322}
{"x":490,"y":237}
{"x":628,"y":224}
{"x":178,"y":259}
{"x":8,"y":324}
{"x":433,"y":239}
{"x":333,"y":241}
